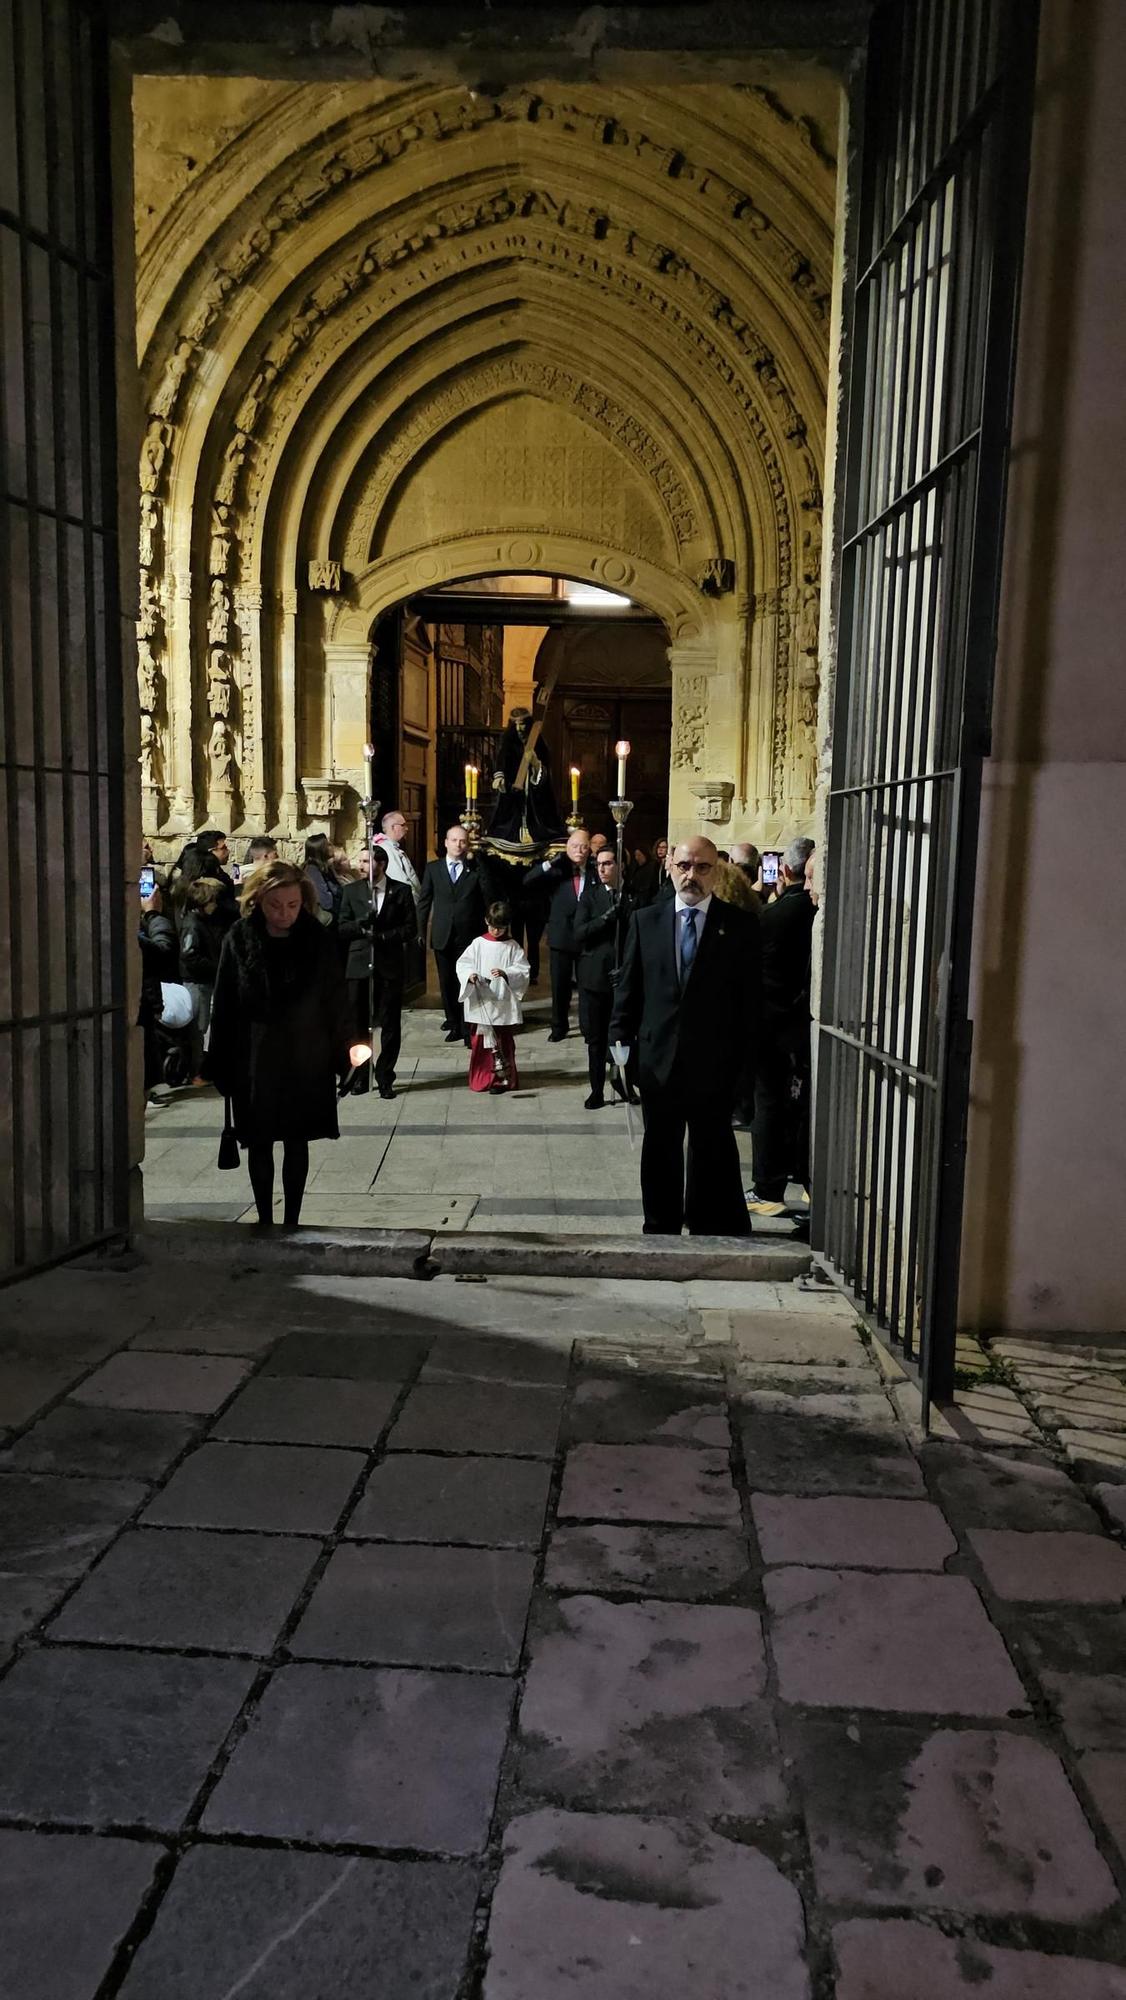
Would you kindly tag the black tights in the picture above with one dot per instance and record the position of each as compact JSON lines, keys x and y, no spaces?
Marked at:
{"x":295,"y":1172}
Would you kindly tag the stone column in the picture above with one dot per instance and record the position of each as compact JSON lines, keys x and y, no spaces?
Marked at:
{"x":248,"y":619}
{"x":290,"y":805}
{"x":348,"y":701}
{"x":183,"y":811}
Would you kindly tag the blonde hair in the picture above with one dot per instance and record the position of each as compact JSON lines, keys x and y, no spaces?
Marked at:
{"x":732,"y":886}
{"x":276,"y":875}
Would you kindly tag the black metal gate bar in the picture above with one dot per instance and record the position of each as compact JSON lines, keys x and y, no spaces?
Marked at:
{"x":63,"y":1030}
{"x":945,"y":151}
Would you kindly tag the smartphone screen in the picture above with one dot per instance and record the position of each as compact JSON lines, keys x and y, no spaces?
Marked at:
{"x":147,"y":883}
{"x":770,"y":868}
{"x":236,"y":873}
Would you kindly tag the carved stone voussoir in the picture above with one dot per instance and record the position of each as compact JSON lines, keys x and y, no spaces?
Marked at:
{"x":325,"y":574}
{"x":714,"y":796}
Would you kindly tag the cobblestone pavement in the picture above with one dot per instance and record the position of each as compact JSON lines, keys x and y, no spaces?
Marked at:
{"x":526,"y":1641}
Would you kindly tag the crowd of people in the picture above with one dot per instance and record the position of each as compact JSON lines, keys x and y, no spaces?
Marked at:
{"x":272,"y":980}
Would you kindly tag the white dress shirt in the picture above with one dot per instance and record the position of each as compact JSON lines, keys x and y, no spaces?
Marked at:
{"x":701,"y":909}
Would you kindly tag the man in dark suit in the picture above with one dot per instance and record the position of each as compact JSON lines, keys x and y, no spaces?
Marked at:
{"x":453,"y":901}
{"x":688,"y":999}
{"x":564,"y":882}
{"x":377,"y":921}
{"x":601,"y":922}
{"x":783,"y":1062}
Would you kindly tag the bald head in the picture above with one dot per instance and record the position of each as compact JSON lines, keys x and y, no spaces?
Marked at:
{"x":694,"y":865}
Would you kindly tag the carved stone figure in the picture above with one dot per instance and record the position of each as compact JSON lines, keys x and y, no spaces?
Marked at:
{"x":811,"y":545}
{"x":176,"y":367}
{"x":219,"y":615}
{"x":147,"y":675}
{"x":219,"y":683}
{"x":324,"y":575}
{"x":148,"y":751}
{"x":154,"y":451}
{"x":249,"y":410}
{"x":218,"y":555}
{"x":219,"y":756}
{"x":234,"y":458}
{"x":716,"y":577}
{"x":690,"y":722}
{"x":150,"y":527}
{"x":807,"y":619}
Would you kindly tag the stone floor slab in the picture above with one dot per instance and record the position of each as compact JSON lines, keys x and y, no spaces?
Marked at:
{"x":840,"y":1532}
{"x":192,"y":1383}
{"x":371,"y":1356}
{"x":51,"y":1530}
{"x":996,"y":1489}
{"x":791,"y":1449}
{"x":972,"y":1822}
{"x":494,"y":1502}
{"x":919,"y":1644}
{"x":1114,"y":1500}
{"x":498,"y":1358}
{"x":184,"y":1587}
{"x":609,"y":1410}
{"x":267,"y":1925}
{"x":1104,"y":1774}
{"x":388,"y":1758}
{"x":290,"y":1489}
{"x":298,"y":1409}
{"x":593,"y":1907}
{"x":107,"y":1444}
{"x":490,"y":1418}
{"x":690,"y":1564}
{"x":651,"y":1706}
{"x":66,"y":1902}
{"x":1091,"y":1708}
{"x":890,"y":1960}
{"x":1051,"y":1568}
{"x":411,"y":1606}
{"x":820,"y":1339}
{"x":637,"y":1482}
{"x":104,"y":1739}
{"x":215,"y":1334}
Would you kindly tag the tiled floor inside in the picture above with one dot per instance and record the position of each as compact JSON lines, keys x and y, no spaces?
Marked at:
{"x":437,"y":1156}
{"x":516,"y":1640}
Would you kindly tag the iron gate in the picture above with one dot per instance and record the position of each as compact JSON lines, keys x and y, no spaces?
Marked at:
{"x":943,"y":181}
{"x":63,"y":1171}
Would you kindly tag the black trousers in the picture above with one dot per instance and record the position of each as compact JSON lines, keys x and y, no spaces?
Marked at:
{"x":449,"y":986}
{"x":706,"y":1190}
{"x":780,"y":1134}
{"x":388,"y":995}
{"x":595,"y":1010}
{"x":562,"y":986}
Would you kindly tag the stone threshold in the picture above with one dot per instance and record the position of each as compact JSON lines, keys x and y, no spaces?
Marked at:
{"x":417,"y":1253}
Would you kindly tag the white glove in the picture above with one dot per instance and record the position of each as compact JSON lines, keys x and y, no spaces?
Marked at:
{"x":620,"y":1053}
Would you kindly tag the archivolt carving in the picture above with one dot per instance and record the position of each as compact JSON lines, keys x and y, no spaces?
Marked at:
{"x":690,"y":722}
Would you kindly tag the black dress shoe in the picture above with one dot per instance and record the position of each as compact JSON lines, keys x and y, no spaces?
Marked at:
{"x":558,"y":1035}
{"x":594,"y":1103}
{"x":386,"y":1090}
{"x":454,"y":1035}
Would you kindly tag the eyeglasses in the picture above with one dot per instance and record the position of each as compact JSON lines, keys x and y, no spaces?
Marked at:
{"x":700,"y":867}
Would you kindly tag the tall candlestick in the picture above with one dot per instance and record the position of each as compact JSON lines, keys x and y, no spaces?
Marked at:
{"x":575,"y":786}
{"x":473,"y":776}
{"x":469,"y":781}
{"x":369,"y":758}
{"x":621,"y":752}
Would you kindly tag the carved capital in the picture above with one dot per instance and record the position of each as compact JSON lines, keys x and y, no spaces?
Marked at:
{"x":323,"y":800}
{"x":716,"y":577}
{"x":325,"y":574}
{"x":715,"y":796}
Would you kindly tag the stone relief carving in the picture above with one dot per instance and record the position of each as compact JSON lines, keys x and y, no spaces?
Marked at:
{"x":716,"y":577}
{"x":219,"y":760}
{"x":219,"y":615}
{"x":690,"y":722}
{"x":324,"y":575}
{"x":219,"y":684}
{"x":714,"y":797}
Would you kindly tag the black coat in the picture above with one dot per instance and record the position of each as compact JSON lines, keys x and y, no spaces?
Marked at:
{"x":387,"y":935}
{"x":213,"y":871}
{"x":787,"y":949}
{"x":279,"y":1030}
{"x":556,"y":884}
{"x":160,"y":963}
{"x":710,"y":1022}
{"x":458,"y":907}
{"x":601,"y":921}
{"x":201,"y":941}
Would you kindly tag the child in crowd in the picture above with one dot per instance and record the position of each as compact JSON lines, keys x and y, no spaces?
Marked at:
{"x":493,"y":974}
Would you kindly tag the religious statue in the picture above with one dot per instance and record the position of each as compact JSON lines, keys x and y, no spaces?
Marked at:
{"x":148,"y":751}
{"x":234,"y":458}
{"x":150,"y":525}
{"x":219,"y":615}
{"x":219,"y":683}
{"x":154,"y":451}
{"x":176,"y":367}
{"x":525,"y":814}
{"x":219,"y":756}
{"x":147,"y":675}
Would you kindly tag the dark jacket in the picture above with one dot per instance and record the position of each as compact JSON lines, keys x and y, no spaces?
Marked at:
{"x":787,"y":949}
{"x":388,"y":935}
{"x":214,"y":871}
{"x":279,"y":1030}
{"x":644,"y":880}
{"x":201,"y":941}
{"x":160,"y":963}
{"x":458,"y":907}
{"x":601,"y":923}
{"x":710,"y":1022}
{"x":557,"y":885}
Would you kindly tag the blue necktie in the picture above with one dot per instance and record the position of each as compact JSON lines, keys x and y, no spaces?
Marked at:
{"x":455,"y":870}
{"x":688,"y":942}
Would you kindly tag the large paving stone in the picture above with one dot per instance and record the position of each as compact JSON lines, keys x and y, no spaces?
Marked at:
{"x":493,"y":1418}
{"x":388,"y":1758}
{"x":217,"y":1334}
{"x":874,"y":1534}
{"x":51,"y":1529}
{"x":26,"y":1387}
{"x":1104,"y":1774}
{"x":997,"y":1490}
{"x":66,"y":1902}
{"x":651,"y":1706}
{"x":896,"y":1958}
{"x":971,"y":1821}
{"x":639,"y":1482}
{"x":113,"y":1444}
{"x":923,"y":1644}
{"x":1052,"y":1568}
{"x":93,"y":1738}
{"x":183,"y":1587}
{"x":497,"y":1358}
{"x":280,"y":1409}
{"x":606,"y":1410}
{"x":827,"y":1444}
{"x":292,"y":1489}
{"x":601,"y":1907}
{"x":195,"y":1383}
{"x":816,"y":1339}
{"x":1091,"y":1708}
{"x":410,"y":1606}
{"x":495,"y":1502}
{"x":267,"y":1925}
{"x":354,"y":1357}
{"x":685,"y":1563}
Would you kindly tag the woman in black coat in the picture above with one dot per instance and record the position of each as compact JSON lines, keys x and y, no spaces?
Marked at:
{"x":279,"y":1032}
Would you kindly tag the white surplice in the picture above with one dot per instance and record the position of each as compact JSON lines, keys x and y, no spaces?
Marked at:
{"x":492,"y":1000}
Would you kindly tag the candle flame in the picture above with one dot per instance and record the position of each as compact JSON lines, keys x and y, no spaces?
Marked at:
{"x":621,"y":749}
{"x":369,"y":752}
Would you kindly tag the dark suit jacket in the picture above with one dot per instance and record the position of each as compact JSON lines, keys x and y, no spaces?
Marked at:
{"x":710,"y":1022}
{"x":556,"y":883}
{"x":787,"y":947}
{"x":458,"y":907}
{"x":598,"y":922}
{"x":395,"y":927}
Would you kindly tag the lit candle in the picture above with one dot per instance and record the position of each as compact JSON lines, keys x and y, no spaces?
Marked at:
{"x":473,"y":775}
{"x":574,"y":787}
{"x":369,"y":756}
{"x":621,"y":752}
{"x":468,"y":783}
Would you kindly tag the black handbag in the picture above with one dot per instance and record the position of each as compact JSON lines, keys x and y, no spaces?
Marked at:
{"x":228,"y":1144}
